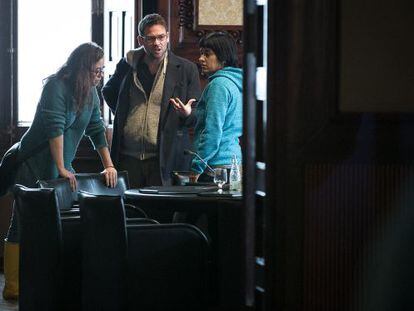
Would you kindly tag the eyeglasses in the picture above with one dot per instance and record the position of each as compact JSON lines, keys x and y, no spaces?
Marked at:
{"x":98,"y":71}
{"x":152,"y":39}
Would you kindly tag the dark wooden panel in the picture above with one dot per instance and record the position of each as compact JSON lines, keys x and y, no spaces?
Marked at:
{"x":4,"y":62}
{"x":301,"y":102}
{"x":6,"y":51}
{"x":5,"y":114}
{"x":333,"y":179}
{"x":376,"y":52}
{"x":348,"y":211}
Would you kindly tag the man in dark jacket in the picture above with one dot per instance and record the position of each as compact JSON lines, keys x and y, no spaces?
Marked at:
{"x":149,"y":137}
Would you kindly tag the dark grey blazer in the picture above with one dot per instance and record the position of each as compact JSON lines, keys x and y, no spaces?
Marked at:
{"x":182,"y":81}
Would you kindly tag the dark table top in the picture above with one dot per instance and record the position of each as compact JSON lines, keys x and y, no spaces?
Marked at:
{"x":182,"y":193}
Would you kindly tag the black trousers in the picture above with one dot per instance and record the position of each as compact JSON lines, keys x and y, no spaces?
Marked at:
{"x":141,"y":173}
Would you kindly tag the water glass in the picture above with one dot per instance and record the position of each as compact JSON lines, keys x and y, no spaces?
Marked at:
{"x":220,"y":177}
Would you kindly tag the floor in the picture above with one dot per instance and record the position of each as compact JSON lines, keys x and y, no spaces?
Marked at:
{"x":14,"y":306}
{"x":6,"y":305}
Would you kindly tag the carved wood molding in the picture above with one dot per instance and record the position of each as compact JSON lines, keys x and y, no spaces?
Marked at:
{"x":236,"y":34}
{"x":185,"y":12}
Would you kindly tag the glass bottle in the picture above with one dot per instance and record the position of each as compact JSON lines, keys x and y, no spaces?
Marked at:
{"x":235,"y":176}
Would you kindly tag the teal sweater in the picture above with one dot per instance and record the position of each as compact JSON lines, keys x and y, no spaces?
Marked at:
{"x":219,"y":120}
{"x":55,"y":112}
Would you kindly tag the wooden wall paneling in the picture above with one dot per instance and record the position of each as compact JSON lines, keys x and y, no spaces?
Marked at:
{"x":311,"y":71}
{"x":180,"y":17}
{"x":336,"y":179}
{"x":5,"y":65}
{"x":98,"y":22}
{"x":350,"y":211}
{"x":7,"y":115}
{"x":303,"y":109}
{"x":249,"y":150}
{"x":149,"y":7}
{"x":302,"y":103}
{"x":8,"y":65}
{"x":377,"y":64}
{"x":275,"y":202}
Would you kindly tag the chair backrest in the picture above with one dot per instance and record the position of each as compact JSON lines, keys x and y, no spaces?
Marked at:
{"x":167,"y":267}
{"x":103,"y":251}
{"x":49,"y":252}
{"x":40,"y":248}
{"x":94,"y":183}
{"x":64,"y":195}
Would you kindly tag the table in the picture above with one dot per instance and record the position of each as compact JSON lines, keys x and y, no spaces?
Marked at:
{"x":224,"y":215}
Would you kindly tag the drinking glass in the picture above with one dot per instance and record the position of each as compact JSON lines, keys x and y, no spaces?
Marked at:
{"x":220,"y":177}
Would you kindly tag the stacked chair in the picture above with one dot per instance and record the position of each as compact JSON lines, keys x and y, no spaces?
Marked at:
{"x":94,"y":257}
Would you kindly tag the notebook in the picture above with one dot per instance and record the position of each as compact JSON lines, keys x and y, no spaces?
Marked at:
{"x":177,"y":189}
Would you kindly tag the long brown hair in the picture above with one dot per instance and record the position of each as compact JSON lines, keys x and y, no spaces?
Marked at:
{"x":76,"y":72}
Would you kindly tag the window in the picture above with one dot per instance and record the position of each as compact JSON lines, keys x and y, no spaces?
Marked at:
{"x":48,"y":31}
{"x":119,"y":37}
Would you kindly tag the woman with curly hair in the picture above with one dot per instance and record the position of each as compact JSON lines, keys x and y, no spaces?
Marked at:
{"x":68,"y":109}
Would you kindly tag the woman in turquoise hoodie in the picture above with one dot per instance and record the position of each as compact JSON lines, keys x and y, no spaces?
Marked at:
{"x":68,"y":109}
{"x":219,"y":111}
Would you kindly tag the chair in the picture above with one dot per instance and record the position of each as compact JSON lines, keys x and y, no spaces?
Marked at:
{"x":48,"y":254}
{"x":104,"y":252}
{"x":50,"y":251}
{"x":64,"y":195}
{"x":140,"y":267}
{"x":167,"y":267}
{"x":93,"y":183}
{"x":40,"y":248}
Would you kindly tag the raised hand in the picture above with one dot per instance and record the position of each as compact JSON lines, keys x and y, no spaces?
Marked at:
{"x":180,"y":107}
